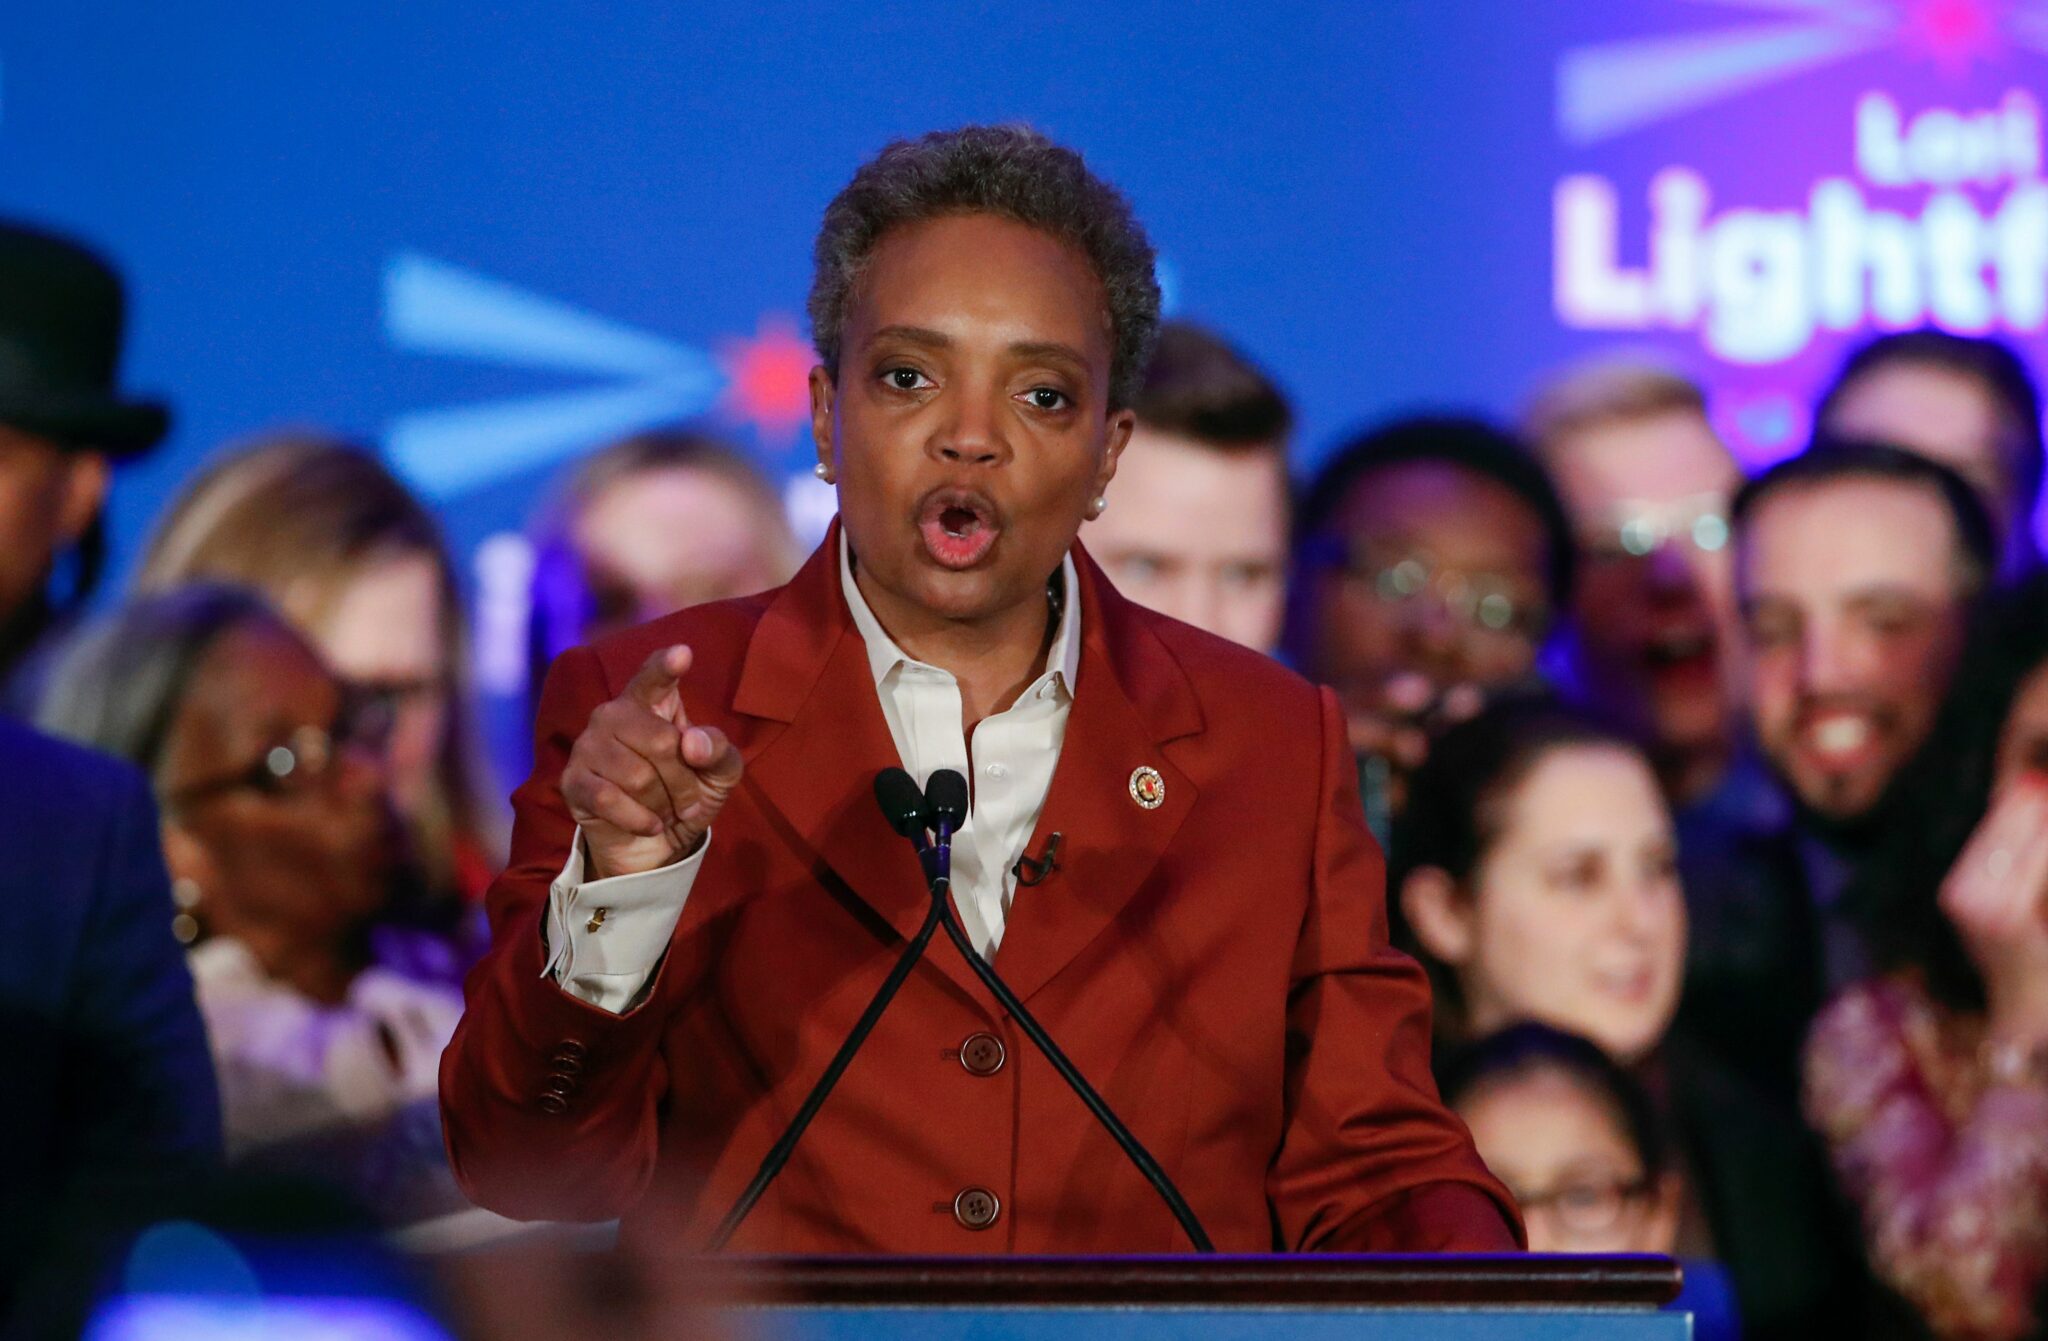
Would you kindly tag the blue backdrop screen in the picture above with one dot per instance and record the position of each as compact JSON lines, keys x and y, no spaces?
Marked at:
{"x":488,"y":237}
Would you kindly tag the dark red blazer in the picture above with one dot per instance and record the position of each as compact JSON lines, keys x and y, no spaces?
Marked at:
{"x":1218,"y":967}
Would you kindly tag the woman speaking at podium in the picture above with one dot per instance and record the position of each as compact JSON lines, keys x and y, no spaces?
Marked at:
{"x":1164,"y":855}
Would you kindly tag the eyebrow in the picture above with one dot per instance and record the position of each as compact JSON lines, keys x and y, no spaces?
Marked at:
{"x":1029,"y":349}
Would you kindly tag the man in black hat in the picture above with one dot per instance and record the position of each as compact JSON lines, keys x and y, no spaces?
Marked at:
{"x":62,"y":425}
{"x":111,"y":1097}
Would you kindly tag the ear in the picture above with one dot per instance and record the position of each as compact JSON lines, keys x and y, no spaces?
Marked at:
{"x":1667,"y":1204}
{"x":1121,"y":425}
{"x":1438,"y":914}
{"x":823,"y":396}
{"x":84,"y":490}
{"x":186,"y":856}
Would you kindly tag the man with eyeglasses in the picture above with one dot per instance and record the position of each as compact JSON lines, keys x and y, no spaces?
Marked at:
{"x":1656,"y":643}
{"x":1432,"y":554}
{"x":1655,"y":636}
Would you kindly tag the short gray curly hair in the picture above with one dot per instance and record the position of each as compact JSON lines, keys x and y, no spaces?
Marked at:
{"x":1011,"y":171}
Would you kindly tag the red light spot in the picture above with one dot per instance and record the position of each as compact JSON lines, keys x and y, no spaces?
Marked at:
{"x":768,"y":376}
{"x":1953,"y":32}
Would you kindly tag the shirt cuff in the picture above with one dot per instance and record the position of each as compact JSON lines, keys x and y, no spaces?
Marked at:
{"x":607,"y":937}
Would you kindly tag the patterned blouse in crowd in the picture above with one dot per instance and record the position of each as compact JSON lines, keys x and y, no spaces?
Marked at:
{"x":1948,"y":1167}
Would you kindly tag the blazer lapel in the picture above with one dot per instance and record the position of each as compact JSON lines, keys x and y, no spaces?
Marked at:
{"x":1131,"y":697}
{"x":806,"y":665}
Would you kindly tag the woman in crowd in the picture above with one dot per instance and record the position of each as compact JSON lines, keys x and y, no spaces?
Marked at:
{"x":1574,"y":1137}
{"x":356,"y":563}
{"x":651,"y":524}
{"x":1930,"y":1079}
{"x":286,"y":858}
{"x":1537,"y":880}
{"x":1577,"y":1140}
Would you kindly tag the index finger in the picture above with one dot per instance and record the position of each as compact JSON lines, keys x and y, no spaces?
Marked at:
{"x":657,"y":677}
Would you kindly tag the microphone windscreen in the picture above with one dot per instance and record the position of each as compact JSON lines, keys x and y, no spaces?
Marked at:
{"x":945,"y":796}
{"x":902,"y":803}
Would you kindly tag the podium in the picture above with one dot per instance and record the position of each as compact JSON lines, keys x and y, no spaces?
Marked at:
{"x":1285,"y":1298}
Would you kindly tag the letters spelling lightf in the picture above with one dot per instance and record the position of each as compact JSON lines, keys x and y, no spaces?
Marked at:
{"x":1758,"y":284}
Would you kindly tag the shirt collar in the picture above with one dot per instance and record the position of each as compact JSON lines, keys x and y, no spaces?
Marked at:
{"x":1063,"y":662}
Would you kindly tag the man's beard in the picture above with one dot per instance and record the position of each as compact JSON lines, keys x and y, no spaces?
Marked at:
{"x":1904,"y":793}
{"x":1855,"y":833}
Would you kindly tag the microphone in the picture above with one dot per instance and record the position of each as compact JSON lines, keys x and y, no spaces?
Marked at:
{"x":945,"y":794}
{"x":905,"y":807}
{"x":1031,"y":870}
{"x":946,"y":798}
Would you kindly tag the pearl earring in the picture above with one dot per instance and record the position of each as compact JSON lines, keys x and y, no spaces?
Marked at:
{"x":823,"y":472}
{"x":186,"y":895}
{"x":1098,"y":507}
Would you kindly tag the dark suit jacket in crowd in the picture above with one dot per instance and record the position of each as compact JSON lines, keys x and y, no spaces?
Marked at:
{"x":107,"y":1074}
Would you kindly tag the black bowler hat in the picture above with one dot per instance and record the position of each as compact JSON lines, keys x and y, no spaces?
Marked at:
{"x":61,"y":313}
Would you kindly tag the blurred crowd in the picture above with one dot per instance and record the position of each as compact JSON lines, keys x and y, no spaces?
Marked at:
{"x":1715,"y":804}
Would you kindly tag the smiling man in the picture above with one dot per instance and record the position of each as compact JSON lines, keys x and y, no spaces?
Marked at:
{"x":1858,"y":565}
{"x":703,"y":895}
{"x":1858,"y":569}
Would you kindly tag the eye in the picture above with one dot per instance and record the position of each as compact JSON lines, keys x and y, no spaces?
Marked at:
{"x":1891,"y":621}
{"x":1577,"y":875}
{"x":1772,"y":628}
{"x":1047,"y":398}
{"x":905,"y":379}
{"x":1140,"y":568}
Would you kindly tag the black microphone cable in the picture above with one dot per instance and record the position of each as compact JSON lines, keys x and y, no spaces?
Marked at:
{"x":946,"y":802}
{"x":904,"y":804}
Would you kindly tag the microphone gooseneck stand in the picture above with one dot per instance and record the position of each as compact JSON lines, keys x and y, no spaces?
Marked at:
{"x":907,"y":815}
{"x":946,"y":798}
{"x":942,"y":809}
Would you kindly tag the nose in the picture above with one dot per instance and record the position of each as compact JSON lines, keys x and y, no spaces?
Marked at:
{"x":970,"y":433}
{"x":1433,"y":636}
{"x":361,"y":771}
{"x":1201,"y":596}
{"x":1827,"y":663}
{"x":1671,"y":573}
{"x":1643,"y":907}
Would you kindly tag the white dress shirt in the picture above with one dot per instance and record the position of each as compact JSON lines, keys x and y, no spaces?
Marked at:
{"x":607,"y":960}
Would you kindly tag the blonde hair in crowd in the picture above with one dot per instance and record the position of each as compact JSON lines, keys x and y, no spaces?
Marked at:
{"x":296,"y":516}
{"x":1607,"y":391}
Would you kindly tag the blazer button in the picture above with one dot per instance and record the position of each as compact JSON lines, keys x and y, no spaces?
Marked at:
{"x":553,"y":1104}
{"x":569,"y":1047}
{"x":559,"y":1084}
{"x":976,"y":1208}
{"x":567,"y":1063}
{"x":982,"y":1054}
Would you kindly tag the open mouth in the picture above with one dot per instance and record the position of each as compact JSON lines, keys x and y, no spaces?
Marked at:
{"x":1679,"y":647}
{"x":959,"y":527}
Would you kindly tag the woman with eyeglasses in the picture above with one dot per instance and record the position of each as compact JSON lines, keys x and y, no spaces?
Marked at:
{"x":291,"y":872}
{"x":352,"y":560}
{"x":1537,"y":880}
{"x":1576,"y":1139}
